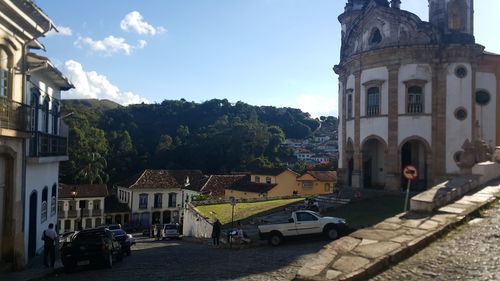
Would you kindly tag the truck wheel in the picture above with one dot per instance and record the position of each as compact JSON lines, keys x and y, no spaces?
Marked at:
{"x":331,"y":233}
{"x":276,"y":239}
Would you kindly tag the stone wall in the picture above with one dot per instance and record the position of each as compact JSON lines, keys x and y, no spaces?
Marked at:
{"x":195,"y":225}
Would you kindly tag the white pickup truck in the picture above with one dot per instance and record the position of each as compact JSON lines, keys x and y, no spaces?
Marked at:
{"x":303,"y":223}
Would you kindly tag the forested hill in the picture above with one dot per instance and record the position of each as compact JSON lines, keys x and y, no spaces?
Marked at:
{"x":214,"y":136}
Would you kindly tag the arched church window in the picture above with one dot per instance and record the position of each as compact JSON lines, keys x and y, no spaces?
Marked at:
{"x":373,"y":101}
{"x":349,"y":104}
{"x":376,"y":37}
{"x":415,"y":100}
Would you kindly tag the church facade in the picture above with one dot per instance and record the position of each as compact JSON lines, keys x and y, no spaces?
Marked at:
{"x":413,"y":93}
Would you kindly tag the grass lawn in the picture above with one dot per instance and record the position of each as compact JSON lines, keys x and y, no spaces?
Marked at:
{"x":242,"y":210}
{"x":370,"y":211}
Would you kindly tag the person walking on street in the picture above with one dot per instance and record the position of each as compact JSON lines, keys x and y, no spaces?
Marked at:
{"x":49,"y":237}
{"x":216,"y":232}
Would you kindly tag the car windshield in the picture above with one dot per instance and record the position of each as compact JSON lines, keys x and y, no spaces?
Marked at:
{"x":118,"y":232}
{"x":86,"y":237}
{"x":170,"y":226}
{"x":317,"y":214}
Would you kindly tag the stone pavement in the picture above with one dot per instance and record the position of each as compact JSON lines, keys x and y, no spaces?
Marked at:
{"x":34,"y":271}
{"x":470,"y":252}
{"x":371,"y":250}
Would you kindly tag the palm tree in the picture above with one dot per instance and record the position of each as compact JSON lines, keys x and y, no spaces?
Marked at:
{"x":92,"y":169}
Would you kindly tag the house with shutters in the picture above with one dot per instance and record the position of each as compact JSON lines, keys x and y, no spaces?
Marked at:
{"x":316,"y":183}
{"x":159,"y":196}
{"x":80,"y":206}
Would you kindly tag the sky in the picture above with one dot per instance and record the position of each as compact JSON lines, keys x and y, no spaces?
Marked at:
{"x":262,"y":52}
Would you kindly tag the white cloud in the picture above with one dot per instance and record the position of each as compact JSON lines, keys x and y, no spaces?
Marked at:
{"x":109,"y":45}
{"x":142,"y":44}
{"x":134,"y":21}
{"x":63,"y":31}
{"x":318,"y":105}
{"x":92,"y":85}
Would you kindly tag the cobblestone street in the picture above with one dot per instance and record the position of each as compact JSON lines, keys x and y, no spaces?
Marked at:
{"x":177,"y":260}
{"x":472,"y":252}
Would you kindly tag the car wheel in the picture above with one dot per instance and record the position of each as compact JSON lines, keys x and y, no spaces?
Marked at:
{"x":109,"y":260}
{"x":331,"y":233}
{"x":275,"y":239}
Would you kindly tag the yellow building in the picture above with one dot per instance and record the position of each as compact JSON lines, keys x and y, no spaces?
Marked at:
{"x":316,"y":182}
{"x":273,"y":182}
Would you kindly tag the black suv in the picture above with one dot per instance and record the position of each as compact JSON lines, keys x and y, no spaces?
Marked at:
{"x":96,"y":245}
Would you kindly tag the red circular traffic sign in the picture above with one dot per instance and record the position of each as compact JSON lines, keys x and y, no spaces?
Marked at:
{"x":410,"y":172}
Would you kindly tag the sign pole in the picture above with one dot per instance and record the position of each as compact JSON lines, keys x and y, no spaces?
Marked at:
{"x":232,"y":227}
{"x":407,"y":195}
{"x":410,"y":173}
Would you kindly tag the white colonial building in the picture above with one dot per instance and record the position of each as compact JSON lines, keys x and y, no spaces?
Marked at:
{"x":413,"y":92}
{"x":81,"y":206}
{"x":159,"y":196}
{"x":31,"y":143}
{"x":47,"y":147}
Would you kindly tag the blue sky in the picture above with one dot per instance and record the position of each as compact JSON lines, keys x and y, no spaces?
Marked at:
{"x":262,"y":52}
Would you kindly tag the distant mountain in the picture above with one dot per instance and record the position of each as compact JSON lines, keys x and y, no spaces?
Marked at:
{"x":102,"y":105}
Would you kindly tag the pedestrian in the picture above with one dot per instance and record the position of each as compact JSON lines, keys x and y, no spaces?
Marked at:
{"x":49,"y":237}
{"x":158,"y":232}
{"x":216,"y":232}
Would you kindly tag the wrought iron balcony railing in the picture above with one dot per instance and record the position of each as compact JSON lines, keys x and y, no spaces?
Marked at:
{"x":44,"y":145}
{"x":14,"y":115}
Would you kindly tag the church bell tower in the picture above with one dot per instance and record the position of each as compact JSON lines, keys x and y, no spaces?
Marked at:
{"x":454,"y":18}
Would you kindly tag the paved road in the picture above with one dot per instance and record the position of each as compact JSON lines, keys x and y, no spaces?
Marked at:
{"x":177,"y":260}
{"x":472,"y":252}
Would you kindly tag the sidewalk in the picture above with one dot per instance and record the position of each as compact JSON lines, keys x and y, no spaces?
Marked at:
{"x":35,"y":270}
{"x":369,"y":251}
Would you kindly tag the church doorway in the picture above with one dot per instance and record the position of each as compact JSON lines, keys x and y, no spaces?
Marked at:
{"x":350,"y":161}
{"x":373,"y":163}
{"x":413,"y":152}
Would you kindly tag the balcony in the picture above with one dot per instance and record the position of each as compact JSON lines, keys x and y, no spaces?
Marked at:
{"x":72,"y":214}
{"x":14,"y":115}
{"x":61,"y":214}
{"x":47,"y":145}
{"x":85,"y":212}
{"x":96,"y":212}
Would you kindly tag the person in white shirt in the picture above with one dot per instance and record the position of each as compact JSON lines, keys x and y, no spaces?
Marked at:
{"x":49,"y":237}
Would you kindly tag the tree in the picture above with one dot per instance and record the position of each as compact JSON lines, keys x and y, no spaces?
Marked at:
{"x":165,"y":143}
{"x":93,"y":169}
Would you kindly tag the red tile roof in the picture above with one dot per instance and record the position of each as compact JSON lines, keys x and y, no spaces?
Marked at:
{"x":217,"y":184}
{"x":246,"y":185}
{"x":323,"y":175}
{"x":163,"y":179}
{"x":83,"y":190}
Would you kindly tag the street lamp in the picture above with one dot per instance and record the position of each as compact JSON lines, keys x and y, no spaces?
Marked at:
{"x":74,"y":193}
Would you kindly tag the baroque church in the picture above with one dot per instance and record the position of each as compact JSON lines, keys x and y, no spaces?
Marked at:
{"x":413,"y":93}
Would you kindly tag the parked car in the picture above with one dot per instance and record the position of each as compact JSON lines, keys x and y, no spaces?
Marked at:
{"x":111,"y":226}
{"x":131,"y":238}
{"x":89,"y":246}
{"x":303,"y":223}
{"x":122,"y":237}
{"x":170,"y":230}
{"x":65,"y":237}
